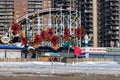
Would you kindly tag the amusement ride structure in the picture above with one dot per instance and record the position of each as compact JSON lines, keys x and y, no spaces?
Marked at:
{"x":62,"y":26}
{"x":48,"y":30}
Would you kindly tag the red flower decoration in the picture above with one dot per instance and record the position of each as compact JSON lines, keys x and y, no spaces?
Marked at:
{"x":79,"y":32}
{"x":43,"y":34}
{"x":66,"y":33}
{"x":37,"y":38}
{"x":54,"y":40}
{"x":15,"y":28}
{"x":23,"y":40}
{"x":50,"y":32}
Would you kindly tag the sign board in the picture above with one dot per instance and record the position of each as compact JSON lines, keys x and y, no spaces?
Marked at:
{"x":5,"y":39}
{"x":113,"y":49}
{"x":93,"y":49}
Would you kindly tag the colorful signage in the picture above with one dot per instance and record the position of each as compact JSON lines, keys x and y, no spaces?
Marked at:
{"x":93,"y":49}
{"x":113,"y":49}
{"x":5,"y":39}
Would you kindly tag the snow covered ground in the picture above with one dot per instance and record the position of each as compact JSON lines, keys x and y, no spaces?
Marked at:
{"x":34,"y":67}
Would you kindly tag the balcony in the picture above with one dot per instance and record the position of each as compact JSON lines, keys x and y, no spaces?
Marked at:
{"x":114,"y":33}
{"x":115,"y":18}
{"x":117,"y":37}
{"x":117,"y":33}
{"x":88,"y":19}
{"x":115,"y":28}
{"x":88,"y":11}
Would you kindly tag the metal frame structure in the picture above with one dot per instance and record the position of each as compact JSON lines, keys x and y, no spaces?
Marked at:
{"x":58,"y":19}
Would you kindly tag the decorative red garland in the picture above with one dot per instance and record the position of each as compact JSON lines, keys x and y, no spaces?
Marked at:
{"x":66,"y":33}
{"x":54,"y":40}
{"x":15,"y":28}
{"x":43,"y":34}
{"x":50,"y":32}
{"x":79,"y":32}
{"x":36,"y":40}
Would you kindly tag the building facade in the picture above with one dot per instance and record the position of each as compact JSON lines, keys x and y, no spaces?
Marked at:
{"x":11,"y":10}
{"x":46,"y":19}
{"x":61,"y":4}
{"x":88,"y":13}
{"x":6,"y":15}
{"x":109,"y":22}
{"x":20,"y":8}
{"x":101,"y":19}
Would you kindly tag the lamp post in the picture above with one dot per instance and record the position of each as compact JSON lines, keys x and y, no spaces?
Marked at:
{"x":27,"y":34}
{"x":26,"y":38}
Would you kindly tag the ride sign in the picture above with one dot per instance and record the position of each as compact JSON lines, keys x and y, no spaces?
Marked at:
{"x":5,"y":39}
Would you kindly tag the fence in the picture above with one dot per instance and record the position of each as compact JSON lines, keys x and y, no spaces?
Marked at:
{"x":115,"y":56}
{"x":99,"y":54}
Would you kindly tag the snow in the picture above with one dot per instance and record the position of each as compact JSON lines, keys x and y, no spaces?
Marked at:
{"x":36,"y":67}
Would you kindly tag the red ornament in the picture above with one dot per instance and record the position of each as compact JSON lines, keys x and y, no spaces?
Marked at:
{"x":54,"y":40}
{"x":15,"y":28}
{"x":23,"y":40}
{"x":79,"y":32}
{"x":43,"y":34}
{"x":50,"y":32}
{"x":66,"y":33}
{"x":37,"y":38}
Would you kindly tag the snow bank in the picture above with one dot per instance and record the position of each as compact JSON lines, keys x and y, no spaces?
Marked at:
{"x":59,"y":67}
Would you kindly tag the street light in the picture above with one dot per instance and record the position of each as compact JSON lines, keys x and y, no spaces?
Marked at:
{"x":26,"y":34}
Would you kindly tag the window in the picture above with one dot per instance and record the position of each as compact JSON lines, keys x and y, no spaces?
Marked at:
{"x":49,"y":2}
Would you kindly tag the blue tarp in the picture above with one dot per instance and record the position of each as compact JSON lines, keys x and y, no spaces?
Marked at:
{"x":49,"y":49}
{"x":9,"y":46}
